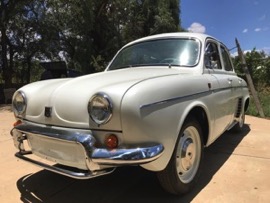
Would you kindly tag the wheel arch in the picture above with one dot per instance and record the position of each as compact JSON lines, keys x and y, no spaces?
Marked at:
{"x":199,"y":113}
{"x":181,"y":173}
{"x":197,"y":110}
{"x":246,"y":104}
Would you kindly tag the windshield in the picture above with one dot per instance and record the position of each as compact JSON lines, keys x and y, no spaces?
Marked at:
{"x":162,"y":52}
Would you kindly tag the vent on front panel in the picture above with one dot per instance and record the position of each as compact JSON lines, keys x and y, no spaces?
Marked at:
{"x":239,"y":108}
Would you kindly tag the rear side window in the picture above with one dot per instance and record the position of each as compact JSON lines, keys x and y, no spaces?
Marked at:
{"x":212,"y":58}
{"x":226,"y":59}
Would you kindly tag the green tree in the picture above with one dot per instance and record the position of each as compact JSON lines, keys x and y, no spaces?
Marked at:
{"x":258,"y":63}
{"x":8,"y":10}
{"x":149,"y":17}
{"x":20,"y":40}
{"x":84,"y":33}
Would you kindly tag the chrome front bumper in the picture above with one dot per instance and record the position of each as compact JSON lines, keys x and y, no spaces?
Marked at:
{"x":74,"y":148}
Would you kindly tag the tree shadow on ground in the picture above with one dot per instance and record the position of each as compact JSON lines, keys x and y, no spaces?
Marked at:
{"x":126,"y":184}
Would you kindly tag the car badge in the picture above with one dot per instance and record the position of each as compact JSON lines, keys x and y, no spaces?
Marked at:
{"x":48,"y":111}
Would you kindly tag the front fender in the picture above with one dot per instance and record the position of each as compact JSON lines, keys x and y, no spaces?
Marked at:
{"x":156,"y":114}
{"x":184,"y":110}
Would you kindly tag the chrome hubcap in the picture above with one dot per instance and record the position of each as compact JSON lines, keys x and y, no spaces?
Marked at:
{"x":188,"y":154}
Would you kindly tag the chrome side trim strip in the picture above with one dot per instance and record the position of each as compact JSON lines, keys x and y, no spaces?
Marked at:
{"x":189,"y":96}
{"x":175,"y":99}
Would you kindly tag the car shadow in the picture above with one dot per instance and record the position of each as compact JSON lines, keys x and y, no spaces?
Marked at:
{"x":126,"y":184}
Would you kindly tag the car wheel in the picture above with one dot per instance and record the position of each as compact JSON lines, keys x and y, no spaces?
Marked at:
{"x":238,"y":127}
{"x":183,"y":169}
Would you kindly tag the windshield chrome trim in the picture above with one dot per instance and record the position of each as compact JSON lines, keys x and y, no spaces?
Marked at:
{"x":156,"y":39}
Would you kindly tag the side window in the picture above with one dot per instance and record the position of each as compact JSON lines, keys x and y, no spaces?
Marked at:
{"x":226,"y":59}
{"x":212,"y":58}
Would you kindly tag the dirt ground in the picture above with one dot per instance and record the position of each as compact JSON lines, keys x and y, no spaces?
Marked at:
{"x":236,"y":169}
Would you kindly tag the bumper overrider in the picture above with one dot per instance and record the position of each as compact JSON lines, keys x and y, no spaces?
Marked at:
{"x":74,"y":151}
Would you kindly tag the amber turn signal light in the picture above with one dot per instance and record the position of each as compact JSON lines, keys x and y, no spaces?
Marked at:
{"x":111,"y":141}
{"x":18,"y":122}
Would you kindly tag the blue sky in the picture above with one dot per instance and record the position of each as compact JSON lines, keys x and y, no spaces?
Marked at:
{"x":246,"y":20}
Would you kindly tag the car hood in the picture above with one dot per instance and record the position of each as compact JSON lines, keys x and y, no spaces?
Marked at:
{"x":69,"y":97}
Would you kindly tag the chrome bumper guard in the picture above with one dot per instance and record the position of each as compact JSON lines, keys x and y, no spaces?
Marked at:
{"x":64,"y":170}
{"x":95,"y":158}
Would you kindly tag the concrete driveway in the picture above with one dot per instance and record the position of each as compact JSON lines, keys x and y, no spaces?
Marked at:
{"x":236,"y":169}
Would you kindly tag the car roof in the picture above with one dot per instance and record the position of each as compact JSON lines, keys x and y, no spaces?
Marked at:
{"x":199,"y":36}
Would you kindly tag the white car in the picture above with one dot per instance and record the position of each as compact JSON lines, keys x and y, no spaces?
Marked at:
{"x":160,"y":101}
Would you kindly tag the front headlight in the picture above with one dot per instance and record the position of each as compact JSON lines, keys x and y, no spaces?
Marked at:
{"x":100,"y":108}
{"x":19,"y":103}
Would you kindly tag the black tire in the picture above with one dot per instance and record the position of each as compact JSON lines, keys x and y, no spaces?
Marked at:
{"x":183,"y":169}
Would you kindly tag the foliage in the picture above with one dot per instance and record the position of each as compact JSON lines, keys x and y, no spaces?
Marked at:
{"x":258,"y":64}
{"x":84,"y":33}
{"x":265,"y":102}
{"x":10,"y":10}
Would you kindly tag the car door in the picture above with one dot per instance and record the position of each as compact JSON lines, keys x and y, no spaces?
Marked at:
{"x":223,"y":92}
{"x":236,"y":82}
{"x":228,"y":67}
